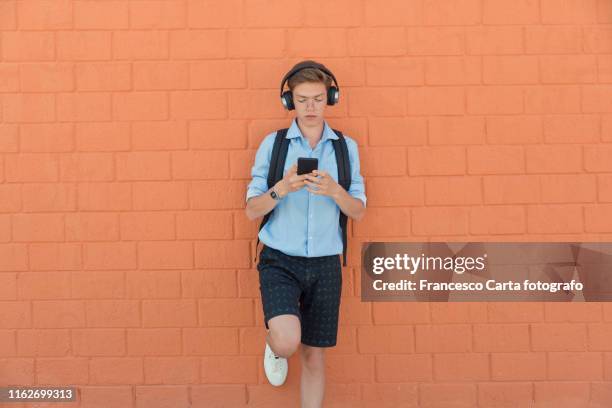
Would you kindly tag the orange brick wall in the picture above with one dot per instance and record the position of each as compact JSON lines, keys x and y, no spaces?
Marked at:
{"x":127,"y":133}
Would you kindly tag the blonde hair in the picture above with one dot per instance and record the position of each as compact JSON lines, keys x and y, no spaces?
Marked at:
{"x":309,"y":75}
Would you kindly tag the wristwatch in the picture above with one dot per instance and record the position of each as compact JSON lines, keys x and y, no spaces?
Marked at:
{"x":275,"y":195}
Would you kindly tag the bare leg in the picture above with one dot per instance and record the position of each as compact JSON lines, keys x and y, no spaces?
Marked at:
{"x":313,"y":376}
{"x":284,"y":335}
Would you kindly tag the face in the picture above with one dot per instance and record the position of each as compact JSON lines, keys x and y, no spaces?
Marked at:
{"x":310,"y":100}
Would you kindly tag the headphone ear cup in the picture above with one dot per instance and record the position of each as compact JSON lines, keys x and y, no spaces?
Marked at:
{"x":287,"y":100}
{"x":332,"y":95}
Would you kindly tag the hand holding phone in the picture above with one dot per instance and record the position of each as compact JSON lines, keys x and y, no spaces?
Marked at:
{"x":306,"y":165}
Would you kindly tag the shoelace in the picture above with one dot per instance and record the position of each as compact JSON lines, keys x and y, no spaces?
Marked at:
{"x":276,"y":363}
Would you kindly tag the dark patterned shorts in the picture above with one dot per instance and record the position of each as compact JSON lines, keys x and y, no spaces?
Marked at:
{"x":309,"y":288}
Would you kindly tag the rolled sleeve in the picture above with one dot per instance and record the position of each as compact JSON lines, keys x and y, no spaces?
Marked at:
{"x":357,"y":188}
{"x":259,"y":171}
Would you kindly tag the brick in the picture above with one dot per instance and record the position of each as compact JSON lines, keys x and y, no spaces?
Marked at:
{"x":400,"y":313}
{"x":436,"y":160}
{"x":510,"y":70}
{"x":398,"y":71}
{"x":460,"y":12}
{"x":225,"y":312}
{"x":147,"y":226}
{"x":397,"y":131}
{"x":501,"y":337}
{"x":171,"y":370}
{"x":38,"y":227}
{"x":209,"y":283}
{"x":8,"y":343}
{"x":552,"y":99}
{"x":390,"y":395}
{"x":498,"y":220}
{"x":115,"y":255}
{"x":8,"y":11}
{"x":9,"y":137}
{"x":46,"y":77}
{"x":55,"y":256}
{"x":350,"y":369}
{"x":440,"y":220}
{"x":160,"y":195}
{"x":217,"y":74}
{"x":155,"y":135}
{"x":443,"y":338}
{"x":599,"y":336}
{"x":61,"y":371}
{"x":161,"y":75}
{"x":229,"y":370}
{"x":516,"y":312}
{"x":165,"y":254}
{"x":435,"y":40}
{"x":385,"y":339}
{"x":453,"y":70}
{"x":518,"y":12}
{"x":154,"y":342}
{"x":113,"y":313}
{"x":558,"y":337}
{"x":575,"y":366}
{"x":383,"y":161}
{"x":572,"y":393}
{"x":46,"y":138}
{"x":204,"y":225}
{"x":86,"y":167}
{"x":495,"y":159}
{"x":518,"y":366}
{"x":198,"y":105}
{"x":98,"y":284}
{"x":81,"y":107}
{"x":227,"y":13}
{"x":553,"y":159}
{"x":44,"y":285}
{"x":19,"y":370}
{"x":448,"y":395}
{"x":155,"y":14}
{"x":37,"y":107}
{"x":569,"y":11}
{"x":568,"y":188}
{"x":218,"y":395}
{"x":595,"y":98}
{"x":461,"y":367}
{"x":140,"y":106}
{"x":514,"y":129}
{"x":213,"y":254}
{"x":143,"y":45}
{"x":554,"y":219}
{"x":104,"y":196}
{"x":28,"y":46}
{"x":143,"y":166}
{"x":437,"y":100}
{"x":596,"y":39}
{"x":508,"y":394}
{"x":456,"y":130}
{"x":596,"y":218}
{"x":84,"y":45}
{"x":100,"y":15}
{"x":8,"y":289}
{"x":256,"y":43}
{"x":44,"y":14}
{"x":244,"y":104}
{"x":355,"y":312}
{"x":604,"y":187}
{"x":374,"y":224}
{"x":112,"y":396}
{"x":58,"y":313}
{"x":169,"y":313}
{"x":211,"y":341}
{"x":103,"y":76}
{"x":115,"y":371}
{"x":100,"y":137}
{"x":560,"y":69}
{"x":494,"y":99}
{"x":45,"y":342}
{"x":553,"y":40}
{"x":340,"y":13}
{"x":397,"y":13}
{"x":153,"y":284}
{"x":511,"y":189}
{"x":595,"y":158}
{"x":395,"y":192}
{"x":494,"y":40}
{"x":319,"y":42}
{"x":98,"y":342}
{"x":573,"y":312}
{"x":383,"y":41}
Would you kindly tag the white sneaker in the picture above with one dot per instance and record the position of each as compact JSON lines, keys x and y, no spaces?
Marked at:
{"x":275,"y":367}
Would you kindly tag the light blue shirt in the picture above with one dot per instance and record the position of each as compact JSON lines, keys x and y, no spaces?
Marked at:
{"x":304,"y":223}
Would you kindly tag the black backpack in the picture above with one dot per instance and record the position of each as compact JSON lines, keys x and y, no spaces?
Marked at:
{"x":277,"y":165}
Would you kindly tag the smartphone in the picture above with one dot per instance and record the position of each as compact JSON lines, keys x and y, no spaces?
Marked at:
{"x":307,"y":165}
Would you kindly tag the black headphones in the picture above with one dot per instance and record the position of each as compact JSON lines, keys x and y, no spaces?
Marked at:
{"x":333,"y":93}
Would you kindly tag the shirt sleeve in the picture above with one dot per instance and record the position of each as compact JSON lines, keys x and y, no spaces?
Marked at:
{"x":259,"y":171}
{"x":357,"y":188}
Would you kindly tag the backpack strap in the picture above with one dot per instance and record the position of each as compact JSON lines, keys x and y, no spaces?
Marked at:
{"x":275,"y":171}
{"x":344,"y":179}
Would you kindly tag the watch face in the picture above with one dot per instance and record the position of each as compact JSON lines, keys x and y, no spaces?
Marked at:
{"x":274,"y":195}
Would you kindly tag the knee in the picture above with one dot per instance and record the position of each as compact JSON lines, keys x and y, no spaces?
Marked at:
{"x":313,"y":359}
{"x":285,"y":343}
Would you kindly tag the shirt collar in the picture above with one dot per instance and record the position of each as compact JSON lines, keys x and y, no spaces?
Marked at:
{"x":294,"y":131}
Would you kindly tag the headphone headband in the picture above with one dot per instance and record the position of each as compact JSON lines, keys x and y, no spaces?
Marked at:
{"x":307,"y":64}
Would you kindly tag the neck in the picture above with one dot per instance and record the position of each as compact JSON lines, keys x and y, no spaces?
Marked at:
{"x":312,"y":133}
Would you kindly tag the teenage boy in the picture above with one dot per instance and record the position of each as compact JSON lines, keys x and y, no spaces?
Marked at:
{"x":300,"y":271}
